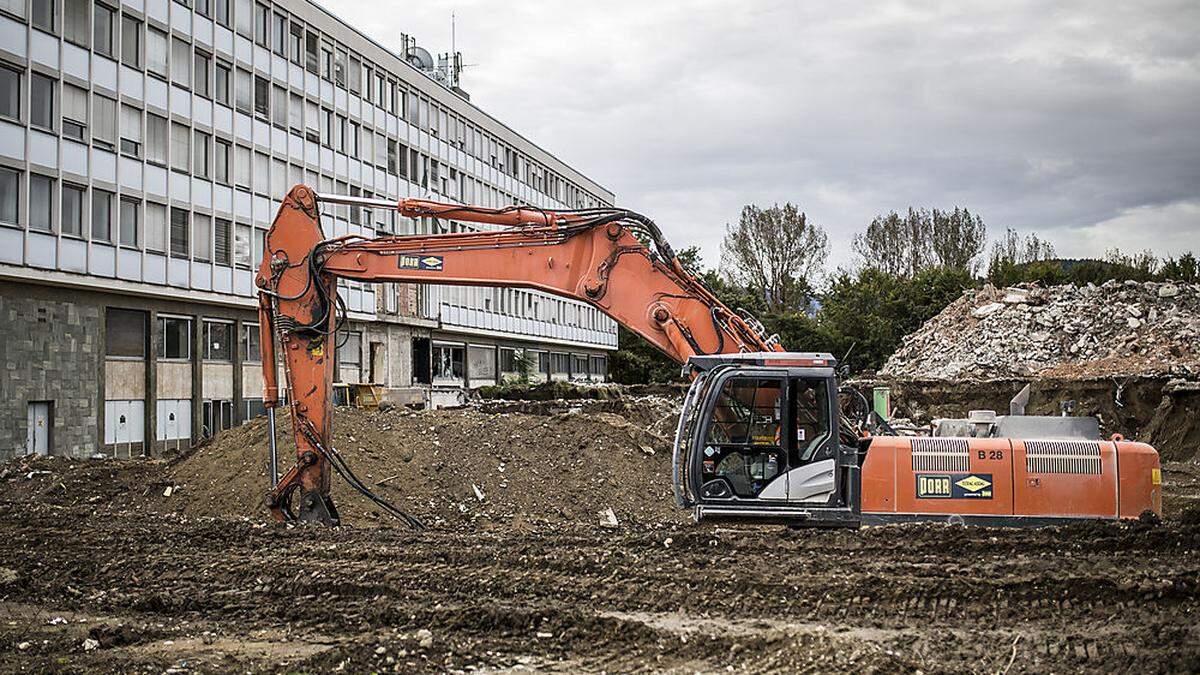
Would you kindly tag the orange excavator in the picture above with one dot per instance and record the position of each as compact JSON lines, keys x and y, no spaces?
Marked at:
{"x":764,"y":433}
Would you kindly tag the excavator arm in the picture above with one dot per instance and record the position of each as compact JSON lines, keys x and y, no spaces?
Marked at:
{"x":614,"y":260}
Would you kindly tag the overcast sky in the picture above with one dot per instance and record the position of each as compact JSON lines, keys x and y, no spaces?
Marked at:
{"x":1081,"y":123}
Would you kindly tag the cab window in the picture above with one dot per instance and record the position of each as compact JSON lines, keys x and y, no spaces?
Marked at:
{"x":742,"y":449}
{"x":811,"y":412}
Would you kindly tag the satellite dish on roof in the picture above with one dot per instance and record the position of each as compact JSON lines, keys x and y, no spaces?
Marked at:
{"x":420,"y":58}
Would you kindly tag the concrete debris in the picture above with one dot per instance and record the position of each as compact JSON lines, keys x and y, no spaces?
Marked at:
{"x":608,"y":518}
{"x":1080,"y":332}
{"x":90,"y":644}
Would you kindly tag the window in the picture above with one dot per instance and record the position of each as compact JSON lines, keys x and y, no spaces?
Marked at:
{"x":355,"y":74}
{"x":41,"y":203}
{"x":10,"y":200}
{"x":181,"y":152}
{"x":41,"y":101}
{"x":200,"y":161}
{"x":243,"y":18}
{"x":339,"y":68}
{"x":131,"y":131}
{"x":10,"y":93}
{"x":221,"y":162}
{"x":262,"y":93}
{"x":201,"y":238}
{"x":349,"y":355}
{"x":156,"y":227}
{"x":560,"y":364}
{"x":262,"y":169}
{"x":203,"y":8}
{"x":448,"y":362}
{"x":312,"y":122}
{"x":179,"y":233}
{"x":221,"y":241}
{"x":244,"y":91}
{"x":261,"y":16}
{"x":218,"y":341}
{"x":181,"y":63}
{"x":241,"y":246}
{"x":296,"y":113}
{"x":310,"y":51}
{"x":326,"y":60}
{"x":222,"y":12}
{"x":326,"y":126}
{"x":76,"y":22}
{"x":125,"y":332}
{"x":241,"y":165}
{"x":296,"y":44}
{"x":250,"y":343}
{"x":156,"y":139}
{"x":102,"y":29}
{"x":279,"y":33}
{"x":221,"y":83}
{"x":279,"y":106}
{"x":131,"y":41}
{"x":104,"y":128}
{"x":75,"y":112}
{"x":156,"y":52}
{"x":102,"y":203}
{"x":202,"y":62}
{"x":392,"y":160}
{"x":174,"y":338}
{"x":71,"y":221}
{"x":129,"y":222}
{"x":44,"y":15}
{"x":16,"y":7}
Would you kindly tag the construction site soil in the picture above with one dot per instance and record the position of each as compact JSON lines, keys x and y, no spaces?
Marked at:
{"x":172,"y":565}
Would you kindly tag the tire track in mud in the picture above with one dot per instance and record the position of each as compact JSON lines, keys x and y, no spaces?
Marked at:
{"x":929,"y":597}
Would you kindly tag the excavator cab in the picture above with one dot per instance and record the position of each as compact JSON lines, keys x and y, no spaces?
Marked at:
{"x":759,"y":438}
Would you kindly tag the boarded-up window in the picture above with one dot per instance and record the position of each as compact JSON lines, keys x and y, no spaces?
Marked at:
{"x":125,"y":332}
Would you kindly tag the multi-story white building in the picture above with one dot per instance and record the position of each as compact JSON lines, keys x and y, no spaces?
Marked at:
{"x":144,"y":145}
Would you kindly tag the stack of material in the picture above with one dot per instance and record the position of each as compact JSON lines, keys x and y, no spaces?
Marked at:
{"x":1112,"y":330}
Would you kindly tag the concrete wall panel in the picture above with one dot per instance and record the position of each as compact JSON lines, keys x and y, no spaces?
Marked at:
{"x":124,"y":379}
{"x":174,"y":379}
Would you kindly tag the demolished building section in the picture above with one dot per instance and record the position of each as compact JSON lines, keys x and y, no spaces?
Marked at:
{"x":1115,"y":329}
{"x":1126,"y":352}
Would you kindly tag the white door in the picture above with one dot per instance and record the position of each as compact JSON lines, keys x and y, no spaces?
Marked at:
{"x":38,"y":437}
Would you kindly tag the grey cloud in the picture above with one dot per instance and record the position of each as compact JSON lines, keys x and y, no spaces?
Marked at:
{"x":1078,"y":120}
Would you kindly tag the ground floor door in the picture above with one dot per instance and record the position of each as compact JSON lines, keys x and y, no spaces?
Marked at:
{"x":38,"y":437}
{"x":377,"y":360}
{"x":422,"y":369}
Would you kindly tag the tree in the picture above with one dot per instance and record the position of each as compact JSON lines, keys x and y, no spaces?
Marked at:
{"x":873,"y":310}
{"x":775,"y":253}
{"x":956,"y":238}
{"x":902,"y":246}
{"x":1016,"y":258}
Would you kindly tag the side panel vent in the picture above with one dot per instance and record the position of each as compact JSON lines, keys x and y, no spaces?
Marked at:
{"x":1079,"y":457}
{"x":940,"y":454}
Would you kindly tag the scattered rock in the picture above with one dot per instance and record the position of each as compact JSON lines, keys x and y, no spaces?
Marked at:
{"x":90,"y":644}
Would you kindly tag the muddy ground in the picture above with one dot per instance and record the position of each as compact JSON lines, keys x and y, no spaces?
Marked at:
{"x":100,"y":572}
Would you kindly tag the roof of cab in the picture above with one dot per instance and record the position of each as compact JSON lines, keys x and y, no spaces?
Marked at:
{"x":779,"y":359}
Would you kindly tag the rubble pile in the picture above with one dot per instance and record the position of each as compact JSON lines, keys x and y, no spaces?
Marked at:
{"x":1117,"y":329}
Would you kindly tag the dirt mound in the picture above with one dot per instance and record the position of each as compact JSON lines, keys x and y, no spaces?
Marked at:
{"x":1116,"y":329}
{"x":478,"y":466}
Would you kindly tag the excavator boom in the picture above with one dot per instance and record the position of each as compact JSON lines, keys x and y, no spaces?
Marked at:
{"x":614,"y":260}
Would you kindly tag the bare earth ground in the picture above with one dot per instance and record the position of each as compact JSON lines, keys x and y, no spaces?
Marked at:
{"x":100,"y":573}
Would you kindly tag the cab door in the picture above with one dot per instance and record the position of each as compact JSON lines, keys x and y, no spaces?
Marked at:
{"x":741,"y":453}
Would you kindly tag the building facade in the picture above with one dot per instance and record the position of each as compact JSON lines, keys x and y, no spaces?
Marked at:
{"x":144,"y":145}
